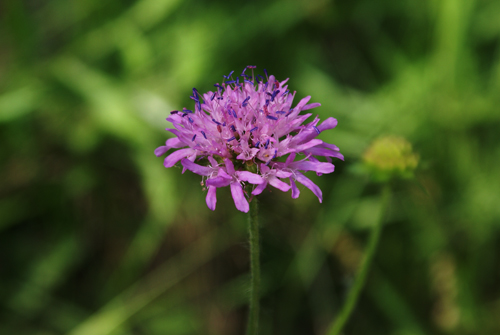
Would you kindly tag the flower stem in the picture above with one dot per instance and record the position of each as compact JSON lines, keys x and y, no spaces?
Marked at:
{"x":359,"y":283}
{"x":253,"y":229}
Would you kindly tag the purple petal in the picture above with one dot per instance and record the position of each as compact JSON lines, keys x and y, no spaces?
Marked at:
{"x":229,"y":166}
{"x":290,"y":158}
{"x":250,"y":177}
{"x":329,"y":146}
{"x":198,"y":169}
{"x":258,"y":190}
{"x":212,"y":161}
{"x":280,"y":185}
{"x":283,"y":174}
{"x":161,"y":150}
{"x":302,"y":103}
{"x":240,"y":201}
{"x":325,"y":153}
{"x":308,"y":145}
{"x":218,"y":181}
{"x":319,"y":167}
{"x":211,"y":197}
{"x":310,"y":185}
{"x":176,"y":156}
{"x":329,"y":123}
{"x":295,"y":189}
{"x":310,"y":106}
{"x":174,"y":142}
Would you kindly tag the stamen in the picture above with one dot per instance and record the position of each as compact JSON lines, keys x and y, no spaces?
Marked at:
{"x":233,"y":128}
{"x":267,"y":144}
{"x":213,"y":96}
{"x":216,"y":122}
{"x":257,"y":144}
{"x":254,"y":128}
{"x":230,"y":82}
{"x":274,"y":94}
{"x":245,"y":102}
{"x":230,"y":139}
{"x":272,"y":117}
{"x":219,"y":86}
{"x":193,"y":137}
{"x":257,"y":78}
{"x":280,"y":112}
{"x":317,"y":130}
{"x":190,"y":120}
{"x":265,"y":72}
{"x":289,"y":112}
{"x":275,"y":153}
{"x":204,"y":135}
{"x":187,"y":111}
{"x":174,"y":112}
{"x":248,"y":81}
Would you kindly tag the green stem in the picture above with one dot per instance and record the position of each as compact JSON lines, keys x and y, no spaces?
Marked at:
{"x":359,"y":283}
{"x":253,"y":228}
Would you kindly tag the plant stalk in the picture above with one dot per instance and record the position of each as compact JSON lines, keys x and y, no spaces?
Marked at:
{"x":359,"y":283}
{"x":253,"y":229}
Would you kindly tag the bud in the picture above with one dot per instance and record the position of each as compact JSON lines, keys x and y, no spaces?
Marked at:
{"x":389,"y":157}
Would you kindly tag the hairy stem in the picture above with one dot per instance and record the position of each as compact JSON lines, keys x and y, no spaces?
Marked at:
{"x":253,"y":228}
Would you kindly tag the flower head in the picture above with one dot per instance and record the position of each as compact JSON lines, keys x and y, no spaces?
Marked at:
{"x":247,"y":132}
{"x":390,"y":156}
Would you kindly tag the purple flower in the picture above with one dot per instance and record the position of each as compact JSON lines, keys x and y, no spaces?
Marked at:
{"x":246,"y":132}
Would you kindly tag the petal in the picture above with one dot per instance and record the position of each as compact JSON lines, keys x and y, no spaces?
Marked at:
{"x":211,"y":197}
{"x":229,"y":166}
{"x":258,"y":190}
{"x":161,"y":150}
{"x":329,"y":123}
{"x":250,"y":177}
{"x":290,"y":158}
{"x":319,"y":167}
{"x":302,"y":102}
{"x":310,"y":106}
{"x":212,"y":161}
{"x":308,"y":145}
{"x":218,"y":182}
{"x":240,"y":201}
{"x":283,"y":174}
{"x":280,"y":185}
{"x":310,"y":185}
{"x":325,"y":152}
{"x":222,"y":173}
{"x":176,"y":156}
{"x":295,"y":189}
{"x":198,"y":169}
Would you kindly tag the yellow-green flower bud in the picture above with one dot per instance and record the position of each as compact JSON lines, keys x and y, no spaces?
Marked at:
{"x":390,"y":156}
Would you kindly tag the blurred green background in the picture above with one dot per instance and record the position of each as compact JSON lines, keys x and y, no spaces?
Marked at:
{"x":97,"y":237}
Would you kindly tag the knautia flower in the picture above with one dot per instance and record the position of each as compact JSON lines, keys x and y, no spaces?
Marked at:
{"x":247,"y":132}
